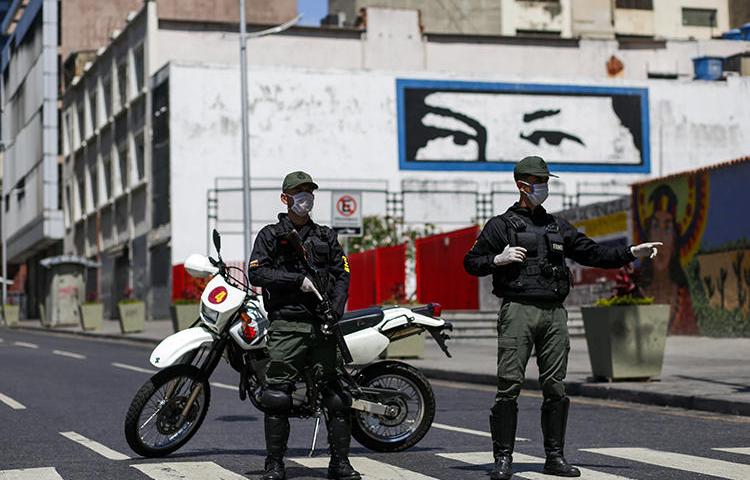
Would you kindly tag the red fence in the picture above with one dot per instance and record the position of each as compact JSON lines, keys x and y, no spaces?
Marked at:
{"x":377,"y":275}
{"x":440,"y":270}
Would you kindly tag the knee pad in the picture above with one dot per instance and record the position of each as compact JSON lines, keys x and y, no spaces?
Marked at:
{"x":553,"y":390}
{"x":277,"y":399}
{"x":336,"y":401}
{"x":504,"y":406}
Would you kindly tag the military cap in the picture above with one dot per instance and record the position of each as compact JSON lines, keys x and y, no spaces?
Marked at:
{"x":295,"y":179}
{"x":532,"y":165}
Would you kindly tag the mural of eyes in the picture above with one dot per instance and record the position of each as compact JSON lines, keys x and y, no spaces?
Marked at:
{"x":552,"y":137}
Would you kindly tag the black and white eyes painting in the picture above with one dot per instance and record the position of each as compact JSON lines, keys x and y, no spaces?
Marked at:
{"x":469,"y":126}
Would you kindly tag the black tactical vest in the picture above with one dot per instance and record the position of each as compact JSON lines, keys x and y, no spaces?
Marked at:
{"x":544,"y":275}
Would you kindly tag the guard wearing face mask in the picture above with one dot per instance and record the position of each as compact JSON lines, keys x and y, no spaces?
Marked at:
{"x":524,"y":250}
{"x":296,"y":344}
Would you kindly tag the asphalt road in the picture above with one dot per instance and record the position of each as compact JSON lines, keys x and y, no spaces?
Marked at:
{"x":71,"y":384}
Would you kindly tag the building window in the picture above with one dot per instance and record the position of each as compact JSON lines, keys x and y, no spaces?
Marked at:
{"x":122,"y":83}
{"x":139,"y":151}
{"x":82,"y":130}
{"x":699,"y":17}
{"x":94,"y":109}
{"x":139,"y":67}
{"x":122,"y":161}
{"x":81,"y":187}
{"x":69,"y":204}
{"x":635,"y":4}
{"x":107,"y":91}
{"x":94,"y":182}
{"x":106,"y":178}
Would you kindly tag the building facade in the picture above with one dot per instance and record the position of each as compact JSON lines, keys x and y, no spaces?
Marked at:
{"x":661,"y":19}
{"x":146,"y":178}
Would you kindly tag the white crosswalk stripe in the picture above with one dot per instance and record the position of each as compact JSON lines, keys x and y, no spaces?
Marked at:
{"x":370,"y":469}
{"x":97,"y":447}
{"x":187,"y":471}
{"x":486,"y":458}
{"x":47,"y":473}
{"x":679,"y":461}
{"x":741,"y":451}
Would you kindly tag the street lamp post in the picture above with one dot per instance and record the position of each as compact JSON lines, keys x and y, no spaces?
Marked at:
{"x":244,"y":36}
{"x":4,"y":244}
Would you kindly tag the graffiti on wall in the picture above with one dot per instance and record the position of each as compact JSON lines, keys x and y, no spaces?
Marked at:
{"x":703,"y":269}
{"x":451,"y":125}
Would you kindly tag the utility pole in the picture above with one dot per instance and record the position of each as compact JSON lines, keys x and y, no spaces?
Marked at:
{"x":246,"y":221}
{"x":246,"y":216}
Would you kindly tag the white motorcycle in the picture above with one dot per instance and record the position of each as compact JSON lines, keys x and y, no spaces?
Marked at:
{"x":393,"y":405}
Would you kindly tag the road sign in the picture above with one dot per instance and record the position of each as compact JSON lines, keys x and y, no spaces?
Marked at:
{"x":346,"y":215}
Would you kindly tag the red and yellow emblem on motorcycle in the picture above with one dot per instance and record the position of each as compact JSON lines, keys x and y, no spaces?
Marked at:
{"x":217,"y":295}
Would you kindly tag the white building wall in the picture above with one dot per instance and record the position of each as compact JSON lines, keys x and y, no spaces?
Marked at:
{"x":29,"y":134}
{"x":343,"y":125}
{"x":668,"y":18}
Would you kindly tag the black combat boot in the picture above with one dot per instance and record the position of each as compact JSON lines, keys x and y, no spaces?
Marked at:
{"x":503,"y":428}
{"x":554,"y":420}
{"x":339,"y":436}
{"x":277,"y":435}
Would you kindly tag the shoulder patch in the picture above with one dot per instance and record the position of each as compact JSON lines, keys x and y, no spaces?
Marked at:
{"x":346,"y":263}
{"x":254,"y":264}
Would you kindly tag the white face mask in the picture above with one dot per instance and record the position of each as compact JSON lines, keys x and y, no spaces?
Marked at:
{"x":538,"y":194}
{"x":302,"y":203}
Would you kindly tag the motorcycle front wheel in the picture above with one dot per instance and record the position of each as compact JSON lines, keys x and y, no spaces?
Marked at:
{"x":154,"y":424}
{"x":414,"y":408}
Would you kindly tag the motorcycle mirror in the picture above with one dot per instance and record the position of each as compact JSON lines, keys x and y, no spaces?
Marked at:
{"x":217,"y":241}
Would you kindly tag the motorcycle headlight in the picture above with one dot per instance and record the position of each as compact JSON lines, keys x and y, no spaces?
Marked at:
{"x":210,"y":316}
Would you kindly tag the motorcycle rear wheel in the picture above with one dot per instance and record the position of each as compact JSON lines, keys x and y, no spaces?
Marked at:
{"x":383,"y":434}
{"x":152,"y":426}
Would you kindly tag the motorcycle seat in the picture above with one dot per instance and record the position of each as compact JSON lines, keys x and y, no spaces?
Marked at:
{"x":360,"y":319}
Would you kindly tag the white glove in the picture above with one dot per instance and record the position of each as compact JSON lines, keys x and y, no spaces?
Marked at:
{"x":309,"y":287}
{"x":644,"y":250}
{"x":510,"y":255}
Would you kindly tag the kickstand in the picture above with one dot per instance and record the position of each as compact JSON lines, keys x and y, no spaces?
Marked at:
{"x":315,"y":436}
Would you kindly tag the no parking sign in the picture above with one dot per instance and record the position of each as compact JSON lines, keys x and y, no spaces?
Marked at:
{"x":346,"y":215}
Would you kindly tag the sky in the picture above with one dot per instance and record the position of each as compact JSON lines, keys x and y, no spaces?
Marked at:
{"x":313,"y":11}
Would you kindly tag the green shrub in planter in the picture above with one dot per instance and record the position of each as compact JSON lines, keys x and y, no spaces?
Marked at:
{"x":92,"y":315}
{"x":132,"y":315}
{"x":184,"y":313}
{"x":11,"y":315}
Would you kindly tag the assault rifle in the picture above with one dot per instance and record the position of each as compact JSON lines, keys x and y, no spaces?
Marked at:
{"x":325,"y":310}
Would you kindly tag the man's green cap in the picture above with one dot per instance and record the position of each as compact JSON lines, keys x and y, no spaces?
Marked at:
{"x":295,"y":179}
{"x":533,"y":166}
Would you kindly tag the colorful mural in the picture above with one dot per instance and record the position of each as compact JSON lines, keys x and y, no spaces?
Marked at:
{"x":703,"y":269}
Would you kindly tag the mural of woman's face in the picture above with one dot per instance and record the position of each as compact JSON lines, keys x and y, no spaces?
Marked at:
{"x":661,"y":229}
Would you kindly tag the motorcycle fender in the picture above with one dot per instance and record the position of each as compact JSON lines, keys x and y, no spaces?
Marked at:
{"x":427,"y":321}
{"x":172,"y":348}
{"x":366,"y":345}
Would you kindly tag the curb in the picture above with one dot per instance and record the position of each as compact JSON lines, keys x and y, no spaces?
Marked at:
{"x":608,"y":392}
{"x":81,"y":333}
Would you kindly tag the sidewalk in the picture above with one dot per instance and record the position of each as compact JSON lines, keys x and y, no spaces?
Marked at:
{"x":699,"y":373}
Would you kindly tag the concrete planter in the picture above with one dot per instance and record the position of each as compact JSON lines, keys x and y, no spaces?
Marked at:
{"x":626,"y":342}
{"x":183,"y":315}
{"x":132,"y":316}
{"x":92,"y":316}
{"x":409,"y":347}
{"x":11,"y":315}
